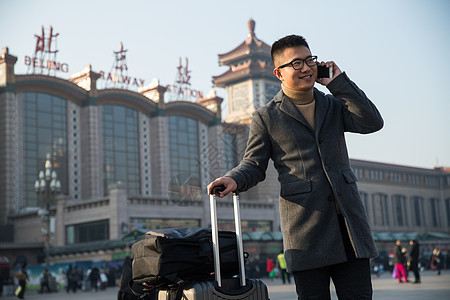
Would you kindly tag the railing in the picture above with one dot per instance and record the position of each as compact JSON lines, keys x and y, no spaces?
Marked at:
{"x":87,"y":205}
{"x":257,"y":204}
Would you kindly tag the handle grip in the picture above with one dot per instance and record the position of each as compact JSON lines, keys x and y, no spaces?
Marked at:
{"x":220,"y":188}
{"x":217,"y":189}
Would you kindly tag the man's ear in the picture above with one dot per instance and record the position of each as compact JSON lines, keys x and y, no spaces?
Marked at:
{"x":277,"y":73}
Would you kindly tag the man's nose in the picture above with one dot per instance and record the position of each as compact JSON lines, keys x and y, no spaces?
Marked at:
{"x":305,"y":65}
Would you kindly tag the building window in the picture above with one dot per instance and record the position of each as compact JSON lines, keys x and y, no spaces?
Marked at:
{"x":359,"y":172}
{"x":417,"y":210}
{"x":121,"y":147}
{"x":44,"y":124}
{"x":87,"y":232}
{"x":447,"y":211}
{"x":365,"y":200}
{"x":435,"y":215}
{"x":230,"y":151}
{"x":184,"y":156}
{"x":399,"y":210}
{"x":380,"y":209}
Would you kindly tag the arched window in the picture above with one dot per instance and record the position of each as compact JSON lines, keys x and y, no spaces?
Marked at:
{"x":380,"y":209}
{"x":365,"y":200}
{"x":120,"y":133}
{"x":230,"y":150}
{"x":184,"y":157}
{"x":447,"y":211}
{"x":417,"y":210}
{"x":44,"y":128}
{"x":435,"y":212}
{"x":399,"y":209}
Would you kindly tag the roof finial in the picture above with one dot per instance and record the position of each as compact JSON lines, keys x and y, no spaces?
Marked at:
{"x":251,"y":27}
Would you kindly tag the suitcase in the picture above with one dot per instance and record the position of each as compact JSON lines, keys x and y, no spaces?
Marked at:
{"x":227,"y":288}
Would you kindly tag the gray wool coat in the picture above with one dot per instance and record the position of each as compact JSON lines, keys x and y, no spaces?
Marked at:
{"x":314,"y":172}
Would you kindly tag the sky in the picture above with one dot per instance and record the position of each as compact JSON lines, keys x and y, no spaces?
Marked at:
{"x":397,"y":51}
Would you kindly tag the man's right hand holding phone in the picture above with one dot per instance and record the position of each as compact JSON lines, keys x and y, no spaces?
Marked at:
{"x":334,"y":70}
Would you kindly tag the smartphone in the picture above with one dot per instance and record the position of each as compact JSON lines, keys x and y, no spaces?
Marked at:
{"x":324,"y":72}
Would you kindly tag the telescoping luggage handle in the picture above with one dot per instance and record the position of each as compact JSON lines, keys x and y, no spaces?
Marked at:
{"x":215,"y":235}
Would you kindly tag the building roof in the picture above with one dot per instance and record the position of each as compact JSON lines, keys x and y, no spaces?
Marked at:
{"x":252,"y":46}
{"x":250,"y":59}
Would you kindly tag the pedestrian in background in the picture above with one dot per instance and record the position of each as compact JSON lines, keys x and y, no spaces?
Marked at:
{"x":270,"y":267}
{"x":414,"y":252}
{"x":436,"y":261}
{"x":22,"y":277}
{"x":94,"y":278}
{"x":282,"y":266}
{"x":44,"y":282}
{"x":399,"y":262}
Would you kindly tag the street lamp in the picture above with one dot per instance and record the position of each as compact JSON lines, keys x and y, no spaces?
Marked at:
{"x":47,"y":185}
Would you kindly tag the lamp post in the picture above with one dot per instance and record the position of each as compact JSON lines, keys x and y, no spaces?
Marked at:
{"x":47,"y":186}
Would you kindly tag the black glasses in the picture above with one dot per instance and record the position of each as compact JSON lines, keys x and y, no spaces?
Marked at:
{"x":298,"y":63}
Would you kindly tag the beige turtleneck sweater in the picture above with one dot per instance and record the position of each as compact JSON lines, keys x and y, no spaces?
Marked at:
{"x":306,"y":106}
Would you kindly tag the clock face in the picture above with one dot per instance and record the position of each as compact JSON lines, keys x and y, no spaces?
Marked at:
{"x":240,"y":96}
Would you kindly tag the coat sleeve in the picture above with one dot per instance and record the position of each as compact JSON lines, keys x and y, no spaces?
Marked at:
{"x":252,"y":168}
{"x":359,"y":114}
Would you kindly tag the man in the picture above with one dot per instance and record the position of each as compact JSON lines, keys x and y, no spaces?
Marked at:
{"x":325,"y":229}
{"x":399,"y":262}
{"x":45,"y":280}
{"x":414,"y":253}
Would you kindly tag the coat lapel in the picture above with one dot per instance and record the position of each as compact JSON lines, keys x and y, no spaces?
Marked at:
{"x":290,"y":109}
{"x":322,"y":104}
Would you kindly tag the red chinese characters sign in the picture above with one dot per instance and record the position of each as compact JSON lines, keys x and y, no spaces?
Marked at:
{"x":45,"y":53}
{"x":119,"y":74}
{"x":182,"y":86}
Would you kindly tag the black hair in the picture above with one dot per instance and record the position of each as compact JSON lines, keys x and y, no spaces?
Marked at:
{"x":287,"y":42}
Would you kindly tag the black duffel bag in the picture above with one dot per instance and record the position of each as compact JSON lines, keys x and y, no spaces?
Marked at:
{"x":165,"y":258}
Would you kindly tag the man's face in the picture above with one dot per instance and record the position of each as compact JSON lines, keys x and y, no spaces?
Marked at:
{"x":299,"y":80}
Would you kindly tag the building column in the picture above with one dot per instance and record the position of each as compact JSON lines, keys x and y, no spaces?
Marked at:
{"x":119,"y":220}
{"x":59,"y":238}
{"x":160,"y":156}
{"x":159,"y":143}
{"x":9,"y":152}
{"x":91,"y":131}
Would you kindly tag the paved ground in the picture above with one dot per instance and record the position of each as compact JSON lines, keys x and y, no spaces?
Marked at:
{"x":385,"y":287}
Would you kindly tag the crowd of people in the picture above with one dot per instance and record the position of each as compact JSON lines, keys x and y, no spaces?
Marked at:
{"x":74,"y":279}
{"x":93,"y":279}
{"x":275,"y":267}
{"x":408,"y":260}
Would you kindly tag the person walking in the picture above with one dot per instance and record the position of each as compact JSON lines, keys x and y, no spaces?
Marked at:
{"x":94,"y":278}
{"x":44,"y":282}
{"x":270,"y":267}
{"x":414,"y":252}
{"x":436,"y":260}
{"x":282,"y":266}
{"x":399,"y":262}
{"x":325,"y":229}
{"x":22,"y":277}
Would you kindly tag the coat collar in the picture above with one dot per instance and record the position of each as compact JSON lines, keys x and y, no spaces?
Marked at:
{"x":290,"y":109}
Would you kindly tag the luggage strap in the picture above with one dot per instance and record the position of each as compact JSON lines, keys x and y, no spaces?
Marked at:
{"x":175,"y":289}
